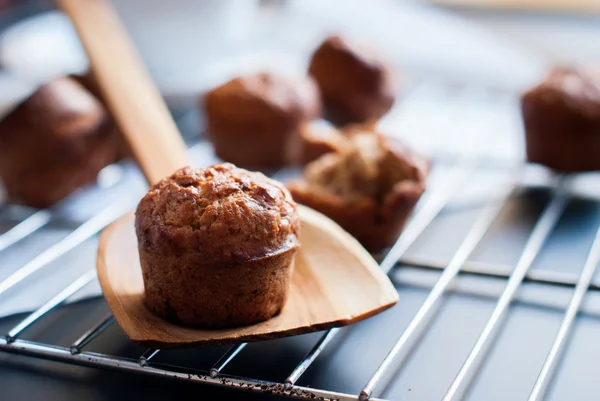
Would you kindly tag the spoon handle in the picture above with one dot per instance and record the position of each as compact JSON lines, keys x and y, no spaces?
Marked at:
{"x":130,"y":94}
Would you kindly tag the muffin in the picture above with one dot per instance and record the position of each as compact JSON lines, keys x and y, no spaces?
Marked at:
{"x":54,"y":142}
{"x":217,"y":246}
{"x":356,"y":83}
{"x":317,"y":138}
{"x":562,"y":120}
{"x":89,"y":82}
{"x":253,"y":120}
{"x":369,"y":188}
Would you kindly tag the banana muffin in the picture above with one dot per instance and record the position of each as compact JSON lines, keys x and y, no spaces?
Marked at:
{"x":254,"y":120}
{"x":562,"y":120}
{"x":369,"y":187}
{"x":217,"y":246}
{"x":54,"y":142}
{"x":357,"y":84}
{"x":317,"y":138}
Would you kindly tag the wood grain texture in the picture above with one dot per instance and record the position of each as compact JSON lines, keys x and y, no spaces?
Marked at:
{"x":569,"y":6}
{"x":128,"y":90}
{"x":335,"y":283}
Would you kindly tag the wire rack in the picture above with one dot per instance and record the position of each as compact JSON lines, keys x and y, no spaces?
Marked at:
{"x":460,"y":181}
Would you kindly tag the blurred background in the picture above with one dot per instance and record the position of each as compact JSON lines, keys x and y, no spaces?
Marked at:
{"x":190,"y":45}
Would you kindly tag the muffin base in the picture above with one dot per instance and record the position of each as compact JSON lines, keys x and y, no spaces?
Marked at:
{"x":204,"y":296}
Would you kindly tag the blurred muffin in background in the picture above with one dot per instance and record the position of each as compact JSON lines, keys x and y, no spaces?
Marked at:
{"x":562,"y":120}
{"x":317,"y":138}
{"x":369,"y":187}
{"x":54,"y":142}
{"x":357,"y":84}
{"x":254,"y":120}
{"x":89,"y":82}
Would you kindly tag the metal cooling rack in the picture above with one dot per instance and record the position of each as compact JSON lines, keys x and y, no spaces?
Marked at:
{"x":455,"y":106}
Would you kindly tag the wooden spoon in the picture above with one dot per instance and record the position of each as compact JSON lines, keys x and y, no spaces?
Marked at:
{"x":335,"y":282}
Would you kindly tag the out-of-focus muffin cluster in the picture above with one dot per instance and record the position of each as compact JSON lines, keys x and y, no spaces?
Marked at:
{"x":366,"y":182}
{"x":270,"y":120}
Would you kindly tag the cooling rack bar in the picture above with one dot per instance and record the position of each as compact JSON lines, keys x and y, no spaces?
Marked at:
{"x":225,"y":359}
{"x":587,"y":273}
{"x":309,"y":359}
{"x":26,"y":227}
{"x":62,"y":296}
{"x":150,"y":353}
{"x":92,"y":359}
{"x":432,"y":206}
{"x":82,"y":233}
{"x":502,"y":272}
{"x":540,"y":233}
{"x":92,"y":333}
{"x":422,"y":318}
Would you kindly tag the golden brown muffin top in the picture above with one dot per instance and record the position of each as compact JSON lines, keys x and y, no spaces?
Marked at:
{"x":62,"y":109}
{"x":265,"y":95}
{"x":370,"y":166}
{"x":226,"y":213}
{"x":577,"y":89}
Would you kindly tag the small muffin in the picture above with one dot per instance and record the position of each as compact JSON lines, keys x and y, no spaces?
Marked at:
{"x":56,"y":141}
{"x":317,"y":138}
{"x":357,"y":84}
{"x":369,"y":188}
{"x":562,"y":121}
{"x":217,"y":246}
{"x":253,"y":120}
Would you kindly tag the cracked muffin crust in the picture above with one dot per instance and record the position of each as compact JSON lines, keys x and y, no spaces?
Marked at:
{"x":369,"y":188}
{"x":357,"y":84}
{"x":562,"y":120}
{"x":254,"y":120}
{"x":216,"y":246}
{"x":54,"y":142}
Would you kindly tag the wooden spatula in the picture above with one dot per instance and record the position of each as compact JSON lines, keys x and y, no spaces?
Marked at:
{"x":335,"y":282}
{"x":128,"y":90}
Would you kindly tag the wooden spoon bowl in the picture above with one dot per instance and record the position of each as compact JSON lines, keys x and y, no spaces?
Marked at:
{"x":335,"y":283}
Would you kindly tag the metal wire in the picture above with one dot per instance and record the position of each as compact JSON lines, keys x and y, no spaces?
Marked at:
{"x":51,"y":304}
{"x":419,"y":322}
{"x":147,"y":356}
{"x":589,"y":269}
{"x":26,"y":227}
{"x":540,"y":233}
{"x":82,"y":233}
{"x":225,"y":359}
{"x":92,"y":333}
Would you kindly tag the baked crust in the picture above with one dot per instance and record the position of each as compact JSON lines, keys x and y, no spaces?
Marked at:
{"x":253,"y":120}
{"x":357,"y":84}
{"x":216,"y":246}
{"x":562,"y":120}
{"x":369,"y":188}
{"x":56,"y":141}
{"x":317,"y":138}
